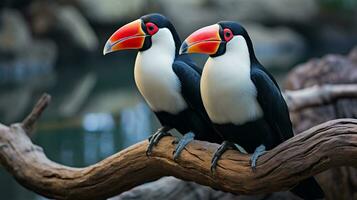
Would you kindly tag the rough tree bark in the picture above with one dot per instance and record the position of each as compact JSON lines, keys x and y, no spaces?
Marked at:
{"x":317,"y":149}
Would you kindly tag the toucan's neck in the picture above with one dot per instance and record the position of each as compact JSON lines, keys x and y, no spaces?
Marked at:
{"x":177,"y":43}
{"x":236,"y":57}
{"x":162,"y":46}
{"x":176,"y":38}
{"x":253,"y":58}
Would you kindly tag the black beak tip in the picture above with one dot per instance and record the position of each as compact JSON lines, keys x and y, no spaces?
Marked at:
{"x":107,"y":48}
{"x":183,"y":48}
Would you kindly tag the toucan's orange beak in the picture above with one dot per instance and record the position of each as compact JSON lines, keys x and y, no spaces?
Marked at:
{"x":205,"y":40}
{"x":129,"y":36}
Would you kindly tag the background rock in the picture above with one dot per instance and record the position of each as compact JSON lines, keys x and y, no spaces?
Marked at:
{"x":14,"y":32}
{"x":204,"y":12}
{"x":65,"y":23}
{"x":76,"y":27}
{"x":21,"y":56}
{"x":279,"y":47}
{"x":112,"y":11}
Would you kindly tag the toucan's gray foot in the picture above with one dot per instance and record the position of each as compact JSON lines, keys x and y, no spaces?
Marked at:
{"x":260,"y":150}
{"x":187,"y":138}
{"x":162,"y":129}
{"x":219,"y":152}
{"x":222,"y":148}
{"x":155,"y":138}
{"x":240,"y":148}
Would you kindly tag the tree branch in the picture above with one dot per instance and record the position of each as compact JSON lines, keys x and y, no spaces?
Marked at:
{"x":318,"y":95}
{"x":315,"y":150}
{"x":29,"y":122}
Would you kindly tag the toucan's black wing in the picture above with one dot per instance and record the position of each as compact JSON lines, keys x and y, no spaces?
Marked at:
{"x":274,"y":107}
{"x":188,"y":61}
{"x":190,"y":83}
{"x":259,"y":66}
{"x":198,"y":119}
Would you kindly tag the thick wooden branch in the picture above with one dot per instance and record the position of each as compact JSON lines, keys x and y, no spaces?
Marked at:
{"x":318,"y":95}
{"x":331,"y":144}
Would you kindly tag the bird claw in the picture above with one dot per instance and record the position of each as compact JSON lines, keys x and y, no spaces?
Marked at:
{"x":155,"y":138}
{"x":222,"y":148}
{"x":260,"y":150}
{"x":150,"y":137}
{"x":187,"y":138}
{"x":213,"y":165}
{"x":240,"y":148}
{"x":217,"y":155}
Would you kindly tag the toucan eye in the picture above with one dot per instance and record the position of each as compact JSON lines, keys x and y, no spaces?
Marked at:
{"x":228,"y":35}
{"x":151,"y":28}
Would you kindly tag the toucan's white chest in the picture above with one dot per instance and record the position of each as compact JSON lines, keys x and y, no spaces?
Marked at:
{"x":228,"y":93}
{"x":155,"y":78}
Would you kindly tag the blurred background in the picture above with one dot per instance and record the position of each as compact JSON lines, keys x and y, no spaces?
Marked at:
{"x":56,"y":47}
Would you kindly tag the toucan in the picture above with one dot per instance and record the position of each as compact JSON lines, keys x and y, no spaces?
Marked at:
{"x":169,"y":82}
{"x":241,"y":97}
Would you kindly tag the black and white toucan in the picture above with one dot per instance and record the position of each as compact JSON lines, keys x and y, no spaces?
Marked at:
{"x":169,"y":82}
{"x":241,"y":97}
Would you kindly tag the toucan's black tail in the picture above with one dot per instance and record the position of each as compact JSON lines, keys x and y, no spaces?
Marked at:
{"x":308,"y":189}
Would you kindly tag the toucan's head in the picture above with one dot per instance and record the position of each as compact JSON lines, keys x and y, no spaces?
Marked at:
{"x":139,"y":34}
{"x":213,"y":40}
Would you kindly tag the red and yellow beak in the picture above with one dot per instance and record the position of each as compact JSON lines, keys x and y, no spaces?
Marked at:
{"x":129,"y":36}
{"x":205,"y":40}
